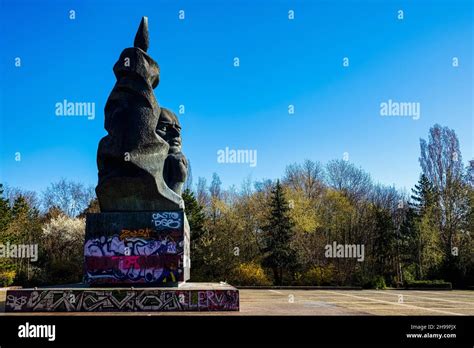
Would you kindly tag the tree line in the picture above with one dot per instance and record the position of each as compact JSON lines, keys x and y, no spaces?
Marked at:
{"x":276,"y":231}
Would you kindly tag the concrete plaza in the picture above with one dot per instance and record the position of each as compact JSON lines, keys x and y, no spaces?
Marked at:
{"x":332,"y":302}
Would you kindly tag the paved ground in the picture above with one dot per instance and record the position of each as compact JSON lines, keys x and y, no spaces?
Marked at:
{"x":337,"y":302}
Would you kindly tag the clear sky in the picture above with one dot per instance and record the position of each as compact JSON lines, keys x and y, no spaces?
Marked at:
{"x":282,"y":62}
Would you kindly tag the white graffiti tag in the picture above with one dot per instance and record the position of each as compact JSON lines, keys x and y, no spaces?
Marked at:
{"x":16,"y":302}
{"x":166,"y":220}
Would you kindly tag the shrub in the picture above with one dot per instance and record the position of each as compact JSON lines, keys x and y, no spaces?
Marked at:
{"x":377,"y":282}
{"x":7,"y":278}
{"x":63,"y":247}
{"x":409,"y":273}
{"x":428,"y":284}
{"x":249,"y":274}
{"x":317,"y":275}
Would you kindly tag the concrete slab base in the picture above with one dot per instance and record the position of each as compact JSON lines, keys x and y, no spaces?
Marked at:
{"x":193,"y":297}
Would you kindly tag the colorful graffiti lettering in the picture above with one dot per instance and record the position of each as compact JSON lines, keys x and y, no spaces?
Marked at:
{"x":112,"y":246}
{"x":137,"y":269}
{"x":111,"y":260}
{"x":140,"y":233}
{"x":121,"y":300}
{"x":128,"y":248}
{"x":149,"y":276}
{"x":127,"y":262}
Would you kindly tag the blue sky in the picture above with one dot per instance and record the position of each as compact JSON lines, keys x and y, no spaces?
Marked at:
{"x":282,"y":62}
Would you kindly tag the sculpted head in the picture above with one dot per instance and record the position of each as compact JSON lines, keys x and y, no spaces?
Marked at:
{"x":169,"y":129}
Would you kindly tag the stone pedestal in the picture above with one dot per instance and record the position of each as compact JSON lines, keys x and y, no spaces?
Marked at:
{"x":133,"y":262}
{"x":188,"y":297}
{"x":137,"y":248}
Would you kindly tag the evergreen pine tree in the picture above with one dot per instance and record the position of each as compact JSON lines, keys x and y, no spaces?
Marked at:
{"x":194,"y":214}
{"x":20,"y":207}
{"x":6,"y":264}
{"x":5,"y":211}
{"x":196,"y":218}
{"x":384,"y":243}
{"x":424,"y":195}
{"x":426,"y":234}
{"x":278,"y":233}
{"x":24,"y":228}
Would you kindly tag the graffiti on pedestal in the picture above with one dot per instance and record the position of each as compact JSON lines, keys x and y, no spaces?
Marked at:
{"x":144,"y":250}
{"x":165,"y":220}
{"x":100,"y":300}
{"x":111,"y":260}
{"x":118,"y":245}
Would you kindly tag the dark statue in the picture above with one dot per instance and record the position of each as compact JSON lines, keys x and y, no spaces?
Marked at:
{"x":138,"y":246}
{"x":176,"y":165}
{"x":141,"y":166}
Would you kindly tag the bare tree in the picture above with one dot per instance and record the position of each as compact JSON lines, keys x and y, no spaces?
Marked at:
{"x":388,"y":197}
{"x":246,"y":187}
{"x":12,"y":193}
{"x":470,"y":173}
{"x":215,"y":188}
{"x":347,"y":178}
{"x":440,"y":158}
{"x":263,"y":186}
{"x":441,"y":163}
{"x":188,"y":185}
{"x":71,"y":197}
{"x":307,"y":177}
{"x":202,"y":195}
{"x":216,"y":195}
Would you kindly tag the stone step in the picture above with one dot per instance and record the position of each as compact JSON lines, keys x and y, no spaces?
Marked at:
{"x":193,"y":297}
